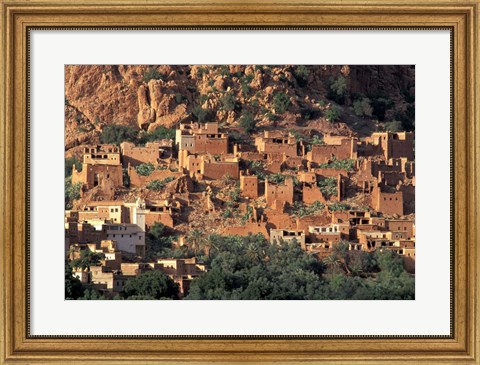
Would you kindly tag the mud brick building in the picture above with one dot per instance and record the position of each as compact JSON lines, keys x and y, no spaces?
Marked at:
{"x":201,"y":138}
{"x":136,"y":155}
{"x":101,"y":163}
{"x":303,"y":223}
{"x":401,"y":225}
{"x":215,"y":170}
{"x":113,"y":211}
{"x":207,"y":167}
{"x":393,"y":145}
{"x":277,"y":144}
{"x":311,"y":193}
{"x":247,"y":229}
{"x":161,"y":213}
{"x":182,"y":271}
{"x":391,"y":178}
{"x":330,"y":233}
{"x":388,"y":203}
{"x":83,"y":233}
{"x":287,"y":235}
{"x":279,"y":193}
{"x":307,"y":177}
{"x":340,"y":149}
{"x":249,"y":186}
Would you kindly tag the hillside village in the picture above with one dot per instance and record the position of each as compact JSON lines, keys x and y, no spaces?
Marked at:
{"x":317,"y":192}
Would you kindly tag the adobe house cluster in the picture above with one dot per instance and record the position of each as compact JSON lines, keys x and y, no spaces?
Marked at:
{"x":110,"y":277}
{"x":378,"y":170}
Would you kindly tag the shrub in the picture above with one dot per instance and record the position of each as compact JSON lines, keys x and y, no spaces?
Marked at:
{"x":228,"y":102}
{"x":117,"y":134}
{"x":338,"y":206}
{"x":301,"y":210}
{"x":69,"y":163}
{"x":301,"y":74}
{"x":309,"y":113}
{"x":258,"y":168}
{"x":145,"y":169}
{"x":339,"y":86}
{"x":393,"y":126}
{"x":227,"y":213}
{"x":234,"y":195}
{"x":157,"y":185}
{"x":151,"y":285}
{"x":247,"y":121}
{"x":328,"y":187}
{"x":276,"y":178}
{"x":247,"y":216}
{"x":200,"y":114}
{"x":347,"y":165}
{"x":317,"y":140}
{"x":380,"y":106}
{"x":332,"y":114}
{"x":201,"y":71}
{"x":126,"y":178}
{"x":362,"y":107}
{"x":338,"y":89}
{"x":178,"y":98}
{"x":270,"y":116}
{"x":281,"y":102}
{"x":152,"y":74}
{"x":160,"y":132}
{"x":224,"y":70}
{"x":72,"y":192}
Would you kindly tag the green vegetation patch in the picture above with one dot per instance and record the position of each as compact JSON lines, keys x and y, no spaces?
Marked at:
{"x":151,"y":74}
{"x":72,"y":192}
{"x":347,"y":165}
{"x":69,"y":163}
{"x":301,"y":210}
{"x":328,"y":187}
{"x":117,"y":134}
{"x":338,"y":207}
{"x":281,"y":102}
{"x":157,"y":185}
{"x":145,"y":169}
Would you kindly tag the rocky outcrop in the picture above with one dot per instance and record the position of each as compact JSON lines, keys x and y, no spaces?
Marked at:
{"x":146,"y":97}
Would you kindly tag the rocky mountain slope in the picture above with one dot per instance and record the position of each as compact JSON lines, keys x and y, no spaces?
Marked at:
{"x":331,"y":99}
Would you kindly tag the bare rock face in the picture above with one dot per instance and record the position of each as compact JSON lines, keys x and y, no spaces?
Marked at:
{"x":146,"y":114}
{"x":101,"y":93}
{"x":219,"y":83}
{"x":78,"y":129}
{"x":146,"y":97}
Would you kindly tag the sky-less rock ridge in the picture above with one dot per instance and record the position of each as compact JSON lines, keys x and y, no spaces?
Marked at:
{"x":145,"y":97}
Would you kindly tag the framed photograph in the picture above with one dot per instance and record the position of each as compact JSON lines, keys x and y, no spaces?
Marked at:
{"x":258,"y":182}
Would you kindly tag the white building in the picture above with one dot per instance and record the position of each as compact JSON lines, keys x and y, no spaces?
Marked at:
{"x":287,"y":235}
{"x":129,"y":237}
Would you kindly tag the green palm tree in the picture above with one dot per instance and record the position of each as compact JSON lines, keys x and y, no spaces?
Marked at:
{"x":332,"y":261}
{"x":196,"y":240}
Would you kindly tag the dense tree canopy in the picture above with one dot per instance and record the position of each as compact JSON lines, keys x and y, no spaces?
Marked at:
{"x":116,"y":134}
{"x":251,"y":268}
{"x":151,"y":285}
{"x":73,"y":286}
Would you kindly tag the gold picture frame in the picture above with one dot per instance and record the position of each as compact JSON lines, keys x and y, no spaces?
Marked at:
{"x":17,"y":346}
